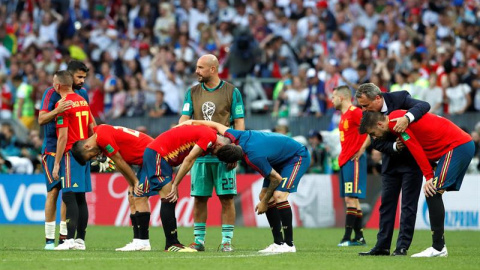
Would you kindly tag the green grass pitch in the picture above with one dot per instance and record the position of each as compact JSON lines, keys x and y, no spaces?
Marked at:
{"x":21,"y":248}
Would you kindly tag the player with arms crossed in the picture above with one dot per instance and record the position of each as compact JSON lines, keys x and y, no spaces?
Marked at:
{"x":353,"y":164}
{"x":432,"y":138}
{"x":278,"y":158}
{"x":125,"y":147}
{"x":73,"y":124}
{"x":219,"y":101}
{"x":46,"y":118}
{"x":177,"y":146}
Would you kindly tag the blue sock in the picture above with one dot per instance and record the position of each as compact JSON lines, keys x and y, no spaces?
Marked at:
{"x":227,"y":233}
{"x":199,"y":230}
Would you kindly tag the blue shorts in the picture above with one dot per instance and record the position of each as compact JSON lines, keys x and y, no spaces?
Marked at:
{"x":48,"y":160}
{"x":292,"y":172}
{"x":155,"y":173}
{"x":452,"y":167}
{"x":353,"y":178}
{"x":74,"y":177}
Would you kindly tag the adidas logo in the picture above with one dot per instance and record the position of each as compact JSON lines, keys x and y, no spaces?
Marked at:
{"x":75,"y":185}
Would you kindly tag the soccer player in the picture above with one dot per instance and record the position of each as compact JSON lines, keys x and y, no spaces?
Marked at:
{"x":125,"y":147}
{"x":177,"y":146}
{"x":353,"y":170}
{"x":46,"y":118}
{"x":72,"y":125}
{"x":219,"y":101}
{"x":400,"y":172}
{"x":278,"y":158}
{"x":432,"y":138}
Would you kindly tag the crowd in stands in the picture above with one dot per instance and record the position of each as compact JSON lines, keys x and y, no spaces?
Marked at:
{"x":142,"y":53}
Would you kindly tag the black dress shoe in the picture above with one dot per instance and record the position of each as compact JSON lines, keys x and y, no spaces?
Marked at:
{"x":400,"y":252}
{"x":376,"y":252}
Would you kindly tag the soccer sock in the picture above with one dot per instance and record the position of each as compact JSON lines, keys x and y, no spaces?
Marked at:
{"x":358,"y":225}
{"x":143,"y":222}
{"x":50,"y":232}
{"x":351,"y":215}
{"x":436,"y":212}
{"x":72,"y":213}
{"x":199,"y":231}
{"x":82,"y":215}
{"x":63,"y":232}
{"x":285,"y":212}
{"x":167,"y":214}
{"x":273,"y":217}
{"x":227,"y":233}
{"x":133,"y":219}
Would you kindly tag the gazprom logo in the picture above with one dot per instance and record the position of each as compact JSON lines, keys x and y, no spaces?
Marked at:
{"x":455,"y":218}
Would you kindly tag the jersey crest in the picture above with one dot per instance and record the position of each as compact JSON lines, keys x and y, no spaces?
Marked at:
{"x":208,"y":109}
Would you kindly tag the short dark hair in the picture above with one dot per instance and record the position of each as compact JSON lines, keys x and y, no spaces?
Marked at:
{"x":77,"y":152}
{"x":229,"y":153}
{"x":74,"y":66}
{"x":65,"y":77}
{"x":343,"y":90}
{"x":369,"y":120}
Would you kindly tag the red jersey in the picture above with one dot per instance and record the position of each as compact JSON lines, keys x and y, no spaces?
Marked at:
{"x":175,"y":144}
{"x":128,"y":142}
{"x":76,"y":119}
{"x":350,"y":138}
{"x":429,"y":138}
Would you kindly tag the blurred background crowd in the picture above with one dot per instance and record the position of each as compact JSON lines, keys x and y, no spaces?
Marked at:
{"x":285,"y":56}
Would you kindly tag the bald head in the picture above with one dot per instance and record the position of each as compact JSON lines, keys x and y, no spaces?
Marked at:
{"x":209,"y":60}
{"x":207,"y":69}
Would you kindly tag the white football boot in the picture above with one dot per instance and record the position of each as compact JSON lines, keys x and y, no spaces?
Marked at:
{"x":68,"y":244}
{"x":431,"y":252}
{"x":286,"y":248}
{"x":79,"y":244}
{"x":273,"y":248}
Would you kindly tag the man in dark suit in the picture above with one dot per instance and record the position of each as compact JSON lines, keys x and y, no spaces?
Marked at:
{"x":400,"y":172}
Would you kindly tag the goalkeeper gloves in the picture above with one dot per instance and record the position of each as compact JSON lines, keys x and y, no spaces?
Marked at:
{"x":107,"y":165}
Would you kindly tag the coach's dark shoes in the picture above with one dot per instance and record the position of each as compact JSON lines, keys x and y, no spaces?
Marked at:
{"x":376,"y":252}
{"x":400,"y":252}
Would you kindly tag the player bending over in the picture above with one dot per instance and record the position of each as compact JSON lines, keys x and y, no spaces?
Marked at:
{"x":263,"y":152}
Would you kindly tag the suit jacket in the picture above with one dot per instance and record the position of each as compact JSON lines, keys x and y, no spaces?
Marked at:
{"x":402,"y":161}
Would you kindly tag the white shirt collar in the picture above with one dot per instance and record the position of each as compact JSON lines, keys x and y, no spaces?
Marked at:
{"x":384,"y":107}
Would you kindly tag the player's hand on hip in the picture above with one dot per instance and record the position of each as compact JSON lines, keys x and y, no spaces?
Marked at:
{"x":358,"y":154}
{"x":261,"y":208}
{"x":429,"y":189}
{"x":173,"y":195}
{"x":56,"y":168}
{"x":401,"y":125}
{"x":138,"y":190}
{"x":231,"y":166}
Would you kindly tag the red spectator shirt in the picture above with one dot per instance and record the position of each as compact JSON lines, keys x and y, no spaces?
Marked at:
{"x":350,"y":138}
{"x":128,"y":142}
{"x":76,"y":119}
{"x":429,"y":138}
{"x":175,"y":144}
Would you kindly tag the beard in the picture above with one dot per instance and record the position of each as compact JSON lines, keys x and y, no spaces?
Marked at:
{"x":202,"y":79}
{"x":77,"y":86}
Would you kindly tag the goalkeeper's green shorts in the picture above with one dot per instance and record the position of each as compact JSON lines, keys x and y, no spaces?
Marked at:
{"x":207,"y":175}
